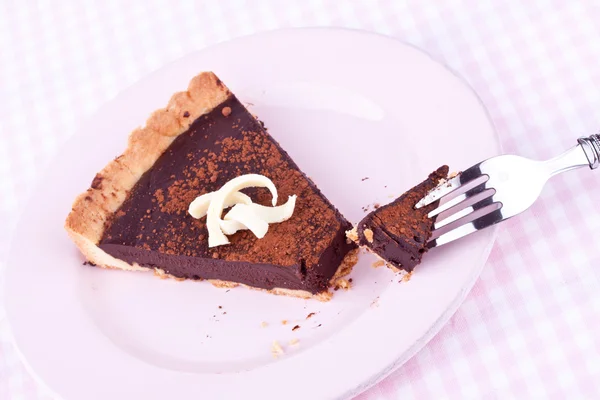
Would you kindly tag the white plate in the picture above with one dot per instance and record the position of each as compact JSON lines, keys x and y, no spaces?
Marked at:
{"x":346,"y":105}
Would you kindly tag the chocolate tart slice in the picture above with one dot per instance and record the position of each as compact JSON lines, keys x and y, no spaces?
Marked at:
{"x":134,"y":216}
{"x":397,"y":232}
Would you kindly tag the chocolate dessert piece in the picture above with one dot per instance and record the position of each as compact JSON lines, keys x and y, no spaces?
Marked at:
{"x":397,"y":232}
{"x":135,"y":214}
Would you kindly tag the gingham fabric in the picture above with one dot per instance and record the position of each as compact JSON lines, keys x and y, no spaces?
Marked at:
{"x":531,"y":326}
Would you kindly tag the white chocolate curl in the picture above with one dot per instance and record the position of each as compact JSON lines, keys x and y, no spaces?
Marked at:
{"x":199,"y":207}
{"x":244,"y":214}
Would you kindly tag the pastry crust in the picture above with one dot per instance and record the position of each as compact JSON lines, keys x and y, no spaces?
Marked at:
{"x":94,"y":207}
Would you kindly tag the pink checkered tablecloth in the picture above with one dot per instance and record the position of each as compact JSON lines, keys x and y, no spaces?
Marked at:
{"x":531,"y":326}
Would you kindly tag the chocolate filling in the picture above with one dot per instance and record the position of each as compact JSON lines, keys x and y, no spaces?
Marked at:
{"x":401,"y":232}
{"x":153,"y":228}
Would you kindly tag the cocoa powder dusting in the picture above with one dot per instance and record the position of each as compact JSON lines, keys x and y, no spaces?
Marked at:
{"x":218,"y":159}
{"x":252,"y":153}
{"x":404,"y":219}
{"x":159,"y":195}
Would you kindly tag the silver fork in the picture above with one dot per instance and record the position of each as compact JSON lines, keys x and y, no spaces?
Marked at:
{"x":497,"y":189}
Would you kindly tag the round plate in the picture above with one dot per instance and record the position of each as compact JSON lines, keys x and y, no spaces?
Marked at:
{"x":347,"y":106}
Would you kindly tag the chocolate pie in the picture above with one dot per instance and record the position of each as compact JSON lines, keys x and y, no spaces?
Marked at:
{"x":135,"y":214}
{"x":397,"y":232}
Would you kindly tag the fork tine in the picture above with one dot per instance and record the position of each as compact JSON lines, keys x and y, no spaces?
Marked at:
{"x":457,"y":214}
{"x":470,"y":226}
{"x":450,"y":186}
{"x":458,"y":199}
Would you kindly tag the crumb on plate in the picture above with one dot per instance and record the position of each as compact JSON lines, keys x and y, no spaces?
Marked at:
{"x":342,"y":284}
{"x":276,"y":349}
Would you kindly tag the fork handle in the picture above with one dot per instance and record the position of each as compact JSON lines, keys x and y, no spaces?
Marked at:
{"x":584,"y":154}
{"x":591,"y":148}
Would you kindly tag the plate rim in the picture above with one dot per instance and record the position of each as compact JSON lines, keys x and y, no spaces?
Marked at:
{"x":399,"y":359}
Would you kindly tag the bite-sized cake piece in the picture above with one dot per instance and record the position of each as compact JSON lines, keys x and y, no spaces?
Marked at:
{"x":136,"y":215}
{"x":397,"y":232}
